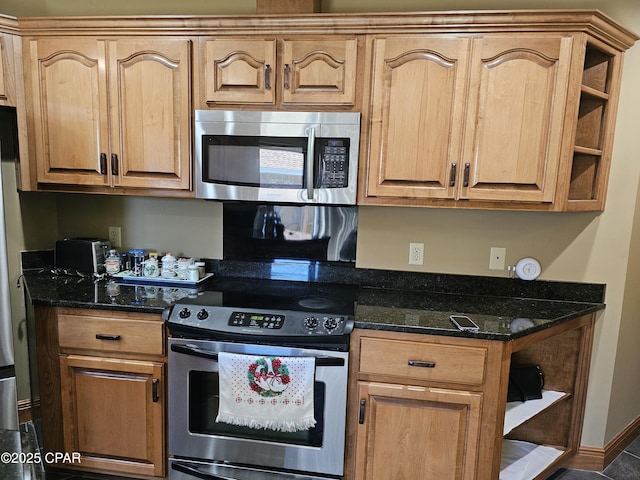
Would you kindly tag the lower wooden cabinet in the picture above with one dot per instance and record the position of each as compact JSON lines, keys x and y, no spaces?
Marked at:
{"x":433,"y":407}
{"x":102,"y":386}
{"x":413,"y":432}
{"x":112,"y":413}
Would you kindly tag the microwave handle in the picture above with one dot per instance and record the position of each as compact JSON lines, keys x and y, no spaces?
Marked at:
{"x":311,"y":142}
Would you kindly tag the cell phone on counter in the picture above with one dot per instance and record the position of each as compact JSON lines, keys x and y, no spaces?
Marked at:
{"x":464,"y":323}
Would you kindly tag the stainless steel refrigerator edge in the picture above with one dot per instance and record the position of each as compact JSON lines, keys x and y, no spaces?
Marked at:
{"x":8,"y":389}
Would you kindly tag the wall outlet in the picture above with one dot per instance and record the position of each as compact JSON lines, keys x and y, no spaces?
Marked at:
{"x":115,"y":237}
{"x":416,"y":253}
{"x":497,"y":258}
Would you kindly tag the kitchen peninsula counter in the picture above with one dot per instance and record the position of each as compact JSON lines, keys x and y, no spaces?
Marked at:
{"x":504,"y":309}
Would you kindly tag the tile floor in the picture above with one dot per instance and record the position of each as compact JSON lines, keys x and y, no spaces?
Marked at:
{"x":625,"y":467}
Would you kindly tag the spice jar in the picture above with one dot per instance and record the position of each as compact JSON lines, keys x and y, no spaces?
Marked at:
{"x":168,"y":266}
{"x":112,"y":262}
{"x":182,"y":268}
{"x":201,"y":269}
{"x":151,"y":268}
{"x":194,"y":273}
{"x":136,"y":258}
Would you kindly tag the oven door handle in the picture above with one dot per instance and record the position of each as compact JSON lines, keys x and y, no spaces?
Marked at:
{"x":194,"y":472}
{"x":246,"y":473}
{"x":211,"y":355}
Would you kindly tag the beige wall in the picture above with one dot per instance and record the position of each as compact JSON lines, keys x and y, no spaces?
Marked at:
{"x":584,"y":247}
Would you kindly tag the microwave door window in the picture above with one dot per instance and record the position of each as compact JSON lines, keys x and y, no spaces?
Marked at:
{"x":281,"y":167}
{"x":271,"y":162}
{"x":232,"y":165}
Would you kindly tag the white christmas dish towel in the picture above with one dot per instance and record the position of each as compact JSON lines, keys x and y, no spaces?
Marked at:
{"x":266,"y":392}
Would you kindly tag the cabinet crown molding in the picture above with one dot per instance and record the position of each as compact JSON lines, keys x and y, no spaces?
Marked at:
{"x":593,"y":22}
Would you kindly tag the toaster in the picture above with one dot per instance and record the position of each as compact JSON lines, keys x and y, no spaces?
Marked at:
{"x":85,"y":255}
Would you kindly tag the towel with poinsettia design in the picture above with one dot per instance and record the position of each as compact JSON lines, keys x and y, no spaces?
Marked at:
{"x":267,"y":392}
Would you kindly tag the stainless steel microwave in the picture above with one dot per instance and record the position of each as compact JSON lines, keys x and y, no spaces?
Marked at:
{"x":277,"y":157}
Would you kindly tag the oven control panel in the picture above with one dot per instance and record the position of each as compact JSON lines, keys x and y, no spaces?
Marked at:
{"x":266,"y":322}
{"x":256,"y":320}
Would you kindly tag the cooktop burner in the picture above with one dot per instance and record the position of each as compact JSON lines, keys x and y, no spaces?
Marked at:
{"x":259,"y":308}
{"x":317,"y":303}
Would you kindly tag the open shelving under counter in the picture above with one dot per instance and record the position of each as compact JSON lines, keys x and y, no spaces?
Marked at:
{"x":524,"y":460}
{"x":460,"y":384}
{"x":519,"y":412}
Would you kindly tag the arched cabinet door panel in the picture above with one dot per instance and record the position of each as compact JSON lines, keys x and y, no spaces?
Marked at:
{"x":271,"y":71}
{"x":517,"y":99}
{"x":239,"y":71}
{"x":112,"y":113}
{"x":417,"y":107}
{"x":70,"y":111}
{"x":150,"y":113}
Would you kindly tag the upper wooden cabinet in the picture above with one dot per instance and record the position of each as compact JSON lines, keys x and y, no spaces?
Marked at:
{"x":456,"y":118}
{"x":484,"y":109}
{"x":495,"y":120}
{"x":111,"y":113}
{"x":7,"y":70}
{"x":515,"y":114}
{"x":417,"y":110}
{"x":271,"y":71}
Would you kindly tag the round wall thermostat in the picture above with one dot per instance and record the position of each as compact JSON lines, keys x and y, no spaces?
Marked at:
{"x":528,"y":268}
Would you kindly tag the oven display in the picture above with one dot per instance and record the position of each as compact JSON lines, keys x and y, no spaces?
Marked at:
{"x":256,"y":320}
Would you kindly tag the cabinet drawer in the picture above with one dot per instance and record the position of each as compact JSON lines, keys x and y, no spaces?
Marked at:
{"x":111,"y":334}
{"x":440,"y":363}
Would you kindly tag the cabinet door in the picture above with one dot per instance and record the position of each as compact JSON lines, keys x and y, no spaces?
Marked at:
{"x":417,"y":107}
{"x":71,"y":129}
{"x":416,"y":433}
{"x":149,"y":82}
{"x":319,"y":71}
{"x":112,"y":412}
{"x":517,"y":102}
{"x":4,"y":95}
{"x":240,"y":71}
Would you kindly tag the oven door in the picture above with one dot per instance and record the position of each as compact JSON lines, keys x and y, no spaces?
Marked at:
{"x":193,"y":408}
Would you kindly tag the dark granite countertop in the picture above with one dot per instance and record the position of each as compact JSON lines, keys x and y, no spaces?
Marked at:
{"x":504,"y":309}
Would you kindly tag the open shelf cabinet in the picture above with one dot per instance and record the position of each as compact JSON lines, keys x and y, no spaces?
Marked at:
{"x":594,"y":128}
{"x":538,"y":435}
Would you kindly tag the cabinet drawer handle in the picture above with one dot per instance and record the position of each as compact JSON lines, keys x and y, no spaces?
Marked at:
{"x":154,"y":390}
{"x":114,"y":164}
{"x":361,"y":416}
{"x":467,"y":167}
{"x":103,"y":164}
{"x":417,"y":363}
{"x":267,"y":77}
{"x":287,"y":69}
{"x":102,"y":336}
{"x":452,"y":175}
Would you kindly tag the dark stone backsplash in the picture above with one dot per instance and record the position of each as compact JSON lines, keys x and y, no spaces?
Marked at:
{"x":410,"y":281}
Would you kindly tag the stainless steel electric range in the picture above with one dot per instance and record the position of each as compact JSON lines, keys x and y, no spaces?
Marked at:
{"x":267,"y":318}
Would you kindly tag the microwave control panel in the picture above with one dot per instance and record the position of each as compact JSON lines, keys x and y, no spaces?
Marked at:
{"x":334,"y":163}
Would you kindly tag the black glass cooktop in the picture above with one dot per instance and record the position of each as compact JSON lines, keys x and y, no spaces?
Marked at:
{"x":280,"y":295}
